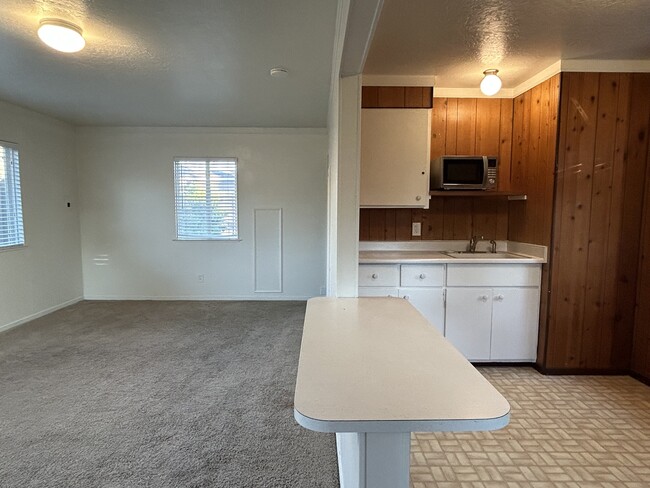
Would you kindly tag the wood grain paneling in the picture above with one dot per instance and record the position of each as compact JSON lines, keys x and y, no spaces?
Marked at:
{"x":458,"y":126}
{"x":597,"y":220}
{"x":397,"y":97}
{"x":638,"y":153}
{"x":641,"y":343}
{"x":447,"y":218}
{"x":534,"y":144}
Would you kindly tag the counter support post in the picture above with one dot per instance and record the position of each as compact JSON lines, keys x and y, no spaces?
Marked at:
{"x":374,"y":459}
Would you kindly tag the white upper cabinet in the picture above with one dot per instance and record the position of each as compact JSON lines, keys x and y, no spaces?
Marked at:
{"x":395,"y":152}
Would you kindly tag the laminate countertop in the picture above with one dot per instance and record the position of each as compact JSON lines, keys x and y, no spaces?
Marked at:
{"x":396,"y":256}
{"x":377,"y":365}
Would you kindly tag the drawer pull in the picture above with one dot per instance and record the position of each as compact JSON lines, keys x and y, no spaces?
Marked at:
{"x":483,"y":298}
{"x":422,"y":276}
{"x":374,"y":276}
{"x":499,"y":298}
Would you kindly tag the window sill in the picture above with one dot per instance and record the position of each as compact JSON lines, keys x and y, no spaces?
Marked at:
{"x":224,"y":239}
{"x":13,"y":248}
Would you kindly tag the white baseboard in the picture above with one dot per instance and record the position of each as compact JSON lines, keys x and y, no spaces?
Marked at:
{"x":265,"y":297}
{"x":37,"y":315}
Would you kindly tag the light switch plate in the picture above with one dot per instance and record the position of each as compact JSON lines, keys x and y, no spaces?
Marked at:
{"x":416,"y":229}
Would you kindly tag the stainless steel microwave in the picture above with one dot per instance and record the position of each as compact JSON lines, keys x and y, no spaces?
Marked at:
{"x":464,"y":173}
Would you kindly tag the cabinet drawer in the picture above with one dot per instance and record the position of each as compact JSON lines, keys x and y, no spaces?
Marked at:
{"x":378,"y":291}
{"x":379,"y":275}
{"x":422,"y":275}
{"x":494,"y":274}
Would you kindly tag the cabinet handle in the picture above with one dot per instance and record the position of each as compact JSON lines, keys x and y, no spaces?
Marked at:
{"x":422,"y":276}
{"x":418,"y":198}
{"x":499,"y":298}
{"x":406,"y":297}
{"x":374,"y":276}
{"x":483,"y":298}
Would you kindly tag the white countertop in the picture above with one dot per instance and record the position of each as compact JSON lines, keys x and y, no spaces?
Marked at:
{"x":376,"y":365}
{"x":434,"y":252}
{"x":432,"y":257}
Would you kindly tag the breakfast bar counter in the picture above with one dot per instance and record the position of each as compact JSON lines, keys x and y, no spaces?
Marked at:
{"x":373,"y":370}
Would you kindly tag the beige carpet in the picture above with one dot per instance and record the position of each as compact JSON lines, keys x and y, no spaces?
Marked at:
{"x":565,"y":432}
{"x":158,"y":394}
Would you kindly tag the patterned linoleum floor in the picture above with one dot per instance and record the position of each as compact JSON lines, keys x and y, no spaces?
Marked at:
{"x":564,"y":432}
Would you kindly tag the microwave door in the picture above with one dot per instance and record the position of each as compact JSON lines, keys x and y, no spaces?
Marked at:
{"x":464,"y":173}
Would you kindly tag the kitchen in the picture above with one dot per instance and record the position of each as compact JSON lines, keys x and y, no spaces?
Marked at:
{"x":579,"y":216}
{"x":591,"y":118}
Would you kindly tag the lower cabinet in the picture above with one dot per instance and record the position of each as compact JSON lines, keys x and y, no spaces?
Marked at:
{"x":493,"y":324}
{"x":430,"y":302}
{"x":420,"y":284}
{"x":492,"y":311}
{"x":489,"y":312}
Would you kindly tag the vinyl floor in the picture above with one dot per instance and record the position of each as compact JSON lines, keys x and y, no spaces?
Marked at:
{"x":565,"y":432}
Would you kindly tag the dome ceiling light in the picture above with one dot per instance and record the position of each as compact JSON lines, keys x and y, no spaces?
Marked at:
{"x":491,"y":83}
{"x":61,"y":35}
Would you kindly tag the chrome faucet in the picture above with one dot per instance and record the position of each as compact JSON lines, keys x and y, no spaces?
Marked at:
{"x":493,"y":246}
{"x":473,"y":241}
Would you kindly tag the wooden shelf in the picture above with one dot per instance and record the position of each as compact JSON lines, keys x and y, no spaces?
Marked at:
{"x":510,"y":195}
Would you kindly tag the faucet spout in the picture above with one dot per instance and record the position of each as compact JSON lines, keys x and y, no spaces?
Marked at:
{"x":473,"y":241}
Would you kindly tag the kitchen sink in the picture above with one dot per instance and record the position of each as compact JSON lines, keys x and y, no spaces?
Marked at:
{"x":483,"y":255}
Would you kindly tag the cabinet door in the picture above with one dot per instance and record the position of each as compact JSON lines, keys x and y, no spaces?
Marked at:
{"x":515,"y":318}
{"x":468,"y":321}
{"x":430,"y":302}
{"x":395,"y":147}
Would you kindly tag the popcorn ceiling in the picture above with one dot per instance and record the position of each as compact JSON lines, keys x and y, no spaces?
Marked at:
{"x":106,"y":43}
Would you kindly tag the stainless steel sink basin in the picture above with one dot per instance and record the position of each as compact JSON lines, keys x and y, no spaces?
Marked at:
{"x":483,"y":255}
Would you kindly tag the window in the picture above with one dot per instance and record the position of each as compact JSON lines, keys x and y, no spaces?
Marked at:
{"x":11,"y":207}
{"x":206,"y":199}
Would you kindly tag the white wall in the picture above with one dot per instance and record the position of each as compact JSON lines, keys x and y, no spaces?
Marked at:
{"x":349,"y":156}
{"x":343,"y":171}
{"x":127,"y":212}
{"x":46,"y":274}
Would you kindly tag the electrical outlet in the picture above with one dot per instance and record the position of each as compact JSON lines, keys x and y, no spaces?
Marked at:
{"x":201,"y":278}
{"x":416,"y":229}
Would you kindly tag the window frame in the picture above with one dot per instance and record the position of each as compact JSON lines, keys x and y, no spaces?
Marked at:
{"x":21,"y":221}
{"x":206,"y":161}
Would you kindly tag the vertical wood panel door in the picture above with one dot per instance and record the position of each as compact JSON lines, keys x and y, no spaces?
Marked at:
{"x":602,"y":164}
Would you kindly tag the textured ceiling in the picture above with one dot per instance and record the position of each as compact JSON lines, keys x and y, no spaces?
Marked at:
{"x":456,"y":40}
{"x":173,"y":63}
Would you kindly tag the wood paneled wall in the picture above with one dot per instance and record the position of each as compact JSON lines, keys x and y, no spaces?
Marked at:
{"x":534,"y":144}
{"x":458,"y":126}
{"x":597,"y":219}
{"x":533,"y":162}
{"x":397,"y":97}
{"x":641,"y":132}
{"x":446,"y":218}
{"x":474,"y":126}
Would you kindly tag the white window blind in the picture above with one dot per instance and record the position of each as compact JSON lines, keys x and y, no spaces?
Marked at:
{"x":206,"y":198}
{"x":11,"y":207}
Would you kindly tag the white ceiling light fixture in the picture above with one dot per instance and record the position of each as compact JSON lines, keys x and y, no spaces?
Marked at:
{"x":61,"y":35}
{"x":491,"y":83}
